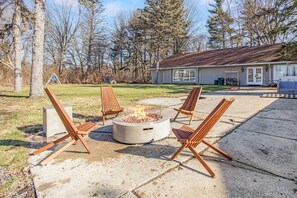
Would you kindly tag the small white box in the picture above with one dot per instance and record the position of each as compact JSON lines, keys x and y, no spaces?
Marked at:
{"x":52,"y":123}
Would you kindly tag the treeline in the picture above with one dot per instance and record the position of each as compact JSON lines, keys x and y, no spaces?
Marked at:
{"x":80,"y":47}
{"x":252,"y":22}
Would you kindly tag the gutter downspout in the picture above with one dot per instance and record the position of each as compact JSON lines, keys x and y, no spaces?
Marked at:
{"x":198,"y":75}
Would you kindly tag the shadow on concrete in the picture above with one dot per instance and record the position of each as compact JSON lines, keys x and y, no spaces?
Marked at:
{"x":150,"y":151}
{"x":102,"y":136}
{"x":103,"y":129}
{"x":194,"y":170}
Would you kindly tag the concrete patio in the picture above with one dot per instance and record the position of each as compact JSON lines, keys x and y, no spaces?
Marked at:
{"x":259,"y":133}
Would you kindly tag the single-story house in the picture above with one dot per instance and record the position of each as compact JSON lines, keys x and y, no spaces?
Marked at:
{"x":260,"y":65}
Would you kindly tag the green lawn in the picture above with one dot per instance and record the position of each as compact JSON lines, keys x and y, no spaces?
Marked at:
{"x":21,"y":116}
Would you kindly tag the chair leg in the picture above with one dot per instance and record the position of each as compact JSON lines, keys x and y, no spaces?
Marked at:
{"x":51,"y":144}
{"x":103,"y":119}
{"x":199,"y":117}
{"x":191,"y":118}
{"x":178,"y":152}
{"x":83,"y":141}
{"x":55,"y":154}
{"x":202,"y":161}
{"x":176,"y":116}
{"x":217,"y":150}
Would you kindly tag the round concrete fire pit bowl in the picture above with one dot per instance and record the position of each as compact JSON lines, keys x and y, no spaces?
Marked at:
{"x":140,"y":133}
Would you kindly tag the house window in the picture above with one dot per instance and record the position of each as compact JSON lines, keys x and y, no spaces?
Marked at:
{"x":184,"y":75}
{"x":285,"y":72}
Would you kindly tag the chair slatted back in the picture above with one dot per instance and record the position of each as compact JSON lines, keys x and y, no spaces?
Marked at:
{"x":66,"y":120}
{"x":192,"y":99}
{"x":210,"y":121}
{"x":109,"y":100}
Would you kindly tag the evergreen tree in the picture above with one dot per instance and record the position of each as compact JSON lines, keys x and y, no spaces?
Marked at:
{"x":219,"y":26}
{"x":165,"y":21}
{"x":167,"y":26}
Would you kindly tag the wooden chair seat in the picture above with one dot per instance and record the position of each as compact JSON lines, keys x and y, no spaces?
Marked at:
{"x":190,"y":138}
{"x":76,"y":133}
{"x":110,"y":104}
{"x":181,"y":134}
{"x":189,"y":106}
{"x":86,"y":128}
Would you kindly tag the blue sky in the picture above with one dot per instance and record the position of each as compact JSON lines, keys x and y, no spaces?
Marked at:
{"x":112,"y":7}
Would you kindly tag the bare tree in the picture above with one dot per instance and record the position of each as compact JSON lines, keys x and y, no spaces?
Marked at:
{"x":92,"y":28}
{"x":17,"y":20}
{"x":269,"y":21}
{"x":6,"y":38}
{"x":197,"y":40}
{"x":62,"y":24}
{"x":36,"y":87}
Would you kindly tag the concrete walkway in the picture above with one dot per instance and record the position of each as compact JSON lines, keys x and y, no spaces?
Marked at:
{"x":259,"y":133}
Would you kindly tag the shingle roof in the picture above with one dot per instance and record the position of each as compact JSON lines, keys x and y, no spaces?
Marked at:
{"x":230,"y":56}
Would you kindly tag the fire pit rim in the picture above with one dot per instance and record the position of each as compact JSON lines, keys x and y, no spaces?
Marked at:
{"x":119,"y":120}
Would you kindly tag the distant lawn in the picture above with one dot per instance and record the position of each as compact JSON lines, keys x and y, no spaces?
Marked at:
{"x":20,"y":115}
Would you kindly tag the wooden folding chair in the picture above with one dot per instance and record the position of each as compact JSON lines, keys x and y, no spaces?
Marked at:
{"x":189,"y":106}
{"x":110,"y":104}
{"x":76,"y":133}
{"x":190,"y":138}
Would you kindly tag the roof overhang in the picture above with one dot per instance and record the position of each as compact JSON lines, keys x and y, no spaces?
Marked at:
{"x":231,"y":65}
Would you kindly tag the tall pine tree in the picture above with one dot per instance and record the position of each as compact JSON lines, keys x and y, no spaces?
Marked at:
{"x":167,"y":28}
{"x":219,"y":26}
{"x":166,"y":24}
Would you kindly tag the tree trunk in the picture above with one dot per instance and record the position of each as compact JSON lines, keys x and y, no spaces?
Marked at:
{"x":61,"y":62}
{"x":17,"y":20}
{"x":90,"y":44}
{"x":36,"y":87}
{"x":157,"y":67}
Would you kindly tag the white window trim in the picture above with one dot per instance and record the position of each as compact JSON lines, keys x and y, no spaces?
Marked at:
{"x":191,"y":81}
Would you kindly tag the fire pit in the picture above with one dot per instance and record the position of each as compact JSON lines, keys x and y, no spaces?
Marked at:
{"x":140,"y":127}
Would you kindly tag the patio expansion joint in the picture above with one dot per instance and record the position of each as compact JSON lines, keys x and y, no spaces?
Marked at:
{"x":248,"y":167}
{"x":279,"y":119}
{"x":160,"y":175}
{"x":276,"y":136}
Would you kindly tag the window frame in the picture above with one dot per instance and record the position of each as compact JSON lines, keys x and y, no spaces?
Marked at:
{"x":184,"y":77}
{"x":283,"y":72}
